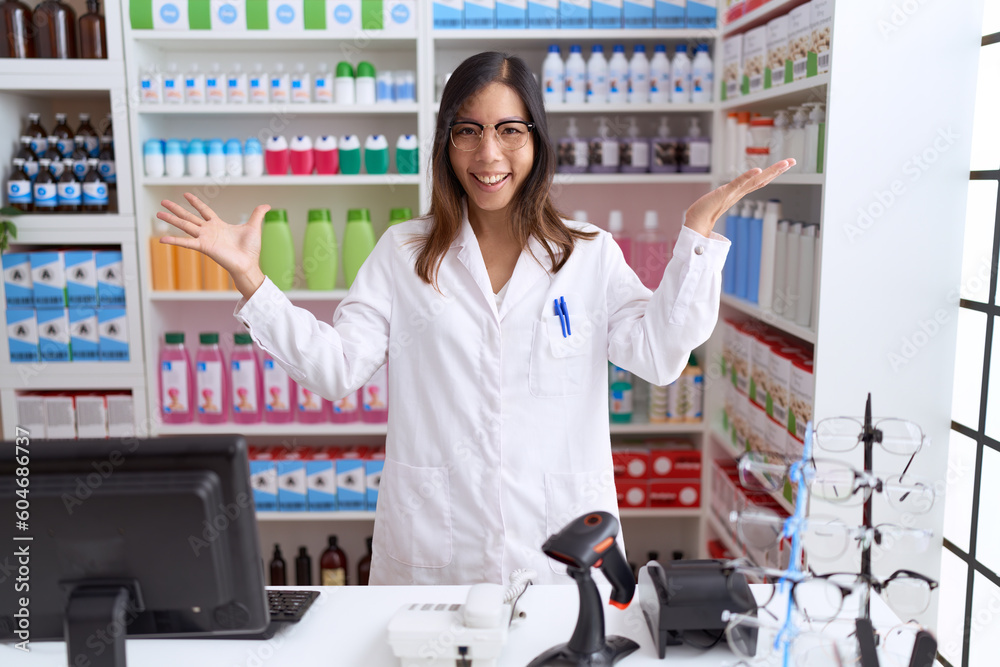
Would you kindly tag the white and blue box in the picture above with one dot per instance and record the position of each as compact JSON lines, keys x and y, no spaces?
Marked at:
{"x":22,"y":335}
{"x":449,"y":14}
{"x":343,"y":17}
{"x":480,"y":14}
{"x":638,"y":14}
{"x":321,"y":485}
{"x":373,"y":478}
{"x":81,"y":278}
{"x":17,"y":284}
{"x":670,"y":14}
{"x":84,"y":339}
{"x":112,"y":331}
{"x":512,"y":14}
{"x":702,"y":13}
{"x":170,"y":15}
{"x":228,"y":15}
{"x":264,"y":481}
{"x":543,"y":14}
{"x":399,"y":17}
{"x":110,"y":278}
{"x":606,"y":14}
{"x":53,"y":334}
{"x":292,"y":486}
{"x":286,"y":15}
{"x":574,"y":14}
{"x":352,"y":484}
{"x":48,"y":278}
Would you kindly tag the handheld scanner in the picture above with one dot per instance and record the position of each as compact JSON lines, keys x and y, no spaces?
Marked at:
{"x":589,"y":541}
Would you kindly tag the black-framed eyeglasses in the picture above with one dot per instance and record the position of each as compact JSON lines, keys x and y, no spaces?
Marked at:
{"x":511,"y":134}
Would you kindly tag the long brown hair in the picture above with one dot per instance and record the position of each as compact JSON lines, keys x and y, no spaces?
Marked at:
{"x":531,"y":211}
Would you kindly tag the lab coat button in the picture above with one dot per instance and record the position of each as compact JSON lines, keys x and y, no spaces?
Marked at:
{"x":699,"y":250}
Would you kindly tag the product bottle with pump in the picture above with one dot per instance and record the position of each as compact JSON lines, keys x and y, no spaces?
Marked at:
{"x":634,"y":150}
{"x":301,"y":85}
{"x":576,"y":76}
{"x":359,"y":241}
{"x":44,"y":190}
{"x":173,"y":85}
{"x":323,"y":84}
{"x":690,"y":392}
{"x":176,"y":381}
{"x":741,"y":265}
{"x":63,"y":136}
{"x":279,"y":393}
{"x":281,"y":85}
{"x":638,"y":76}
{"x":756,"y":243}
{"x":618,"y":75}
{"x":17,"y":27}
{"x":795,"y":140}
{"x":319,"y":251}
{"x":194,"y":85}
{"x":246,"y":381}
{"x":215,"y":85}
{"x":652,"y":252}
{"x":597,"y":76}
{"x":365,"y":564}
{"x":95,"y":190}
{"x":572,"y":152}
{"x":768,"y":251}
{"x":553,"y":76}
{"x":303,"y":568}
{"x":620,"y":395}
{"x":616,"y":226}
{"x":604,"y":158}
{"x":68,"y":189}
{"x":38,"y":136}
{"x":407,"y":157}
{"x":211,"y":384}
{"x":237,"y":85}
{"x":702,"y":76}
{"x":376,"y":154}
{"x":375,"y":397}
{"x":664,"y":150}
{"x":659,"y":76}
{"x":277,"y":252}
{"x":814,"y":138}
{"x":680,"y":76}
{"x":19,"y":187}
{"x":55,"y":30}
{"x":778,"y":134}
{"x":278,"y":570}
{"x":333,"y":564}
{"x":349,"y":149}
{"x":163,"y":259}
{"x":260,"y":85}
{"x":696,"y":155}
{"x":93,"y":40}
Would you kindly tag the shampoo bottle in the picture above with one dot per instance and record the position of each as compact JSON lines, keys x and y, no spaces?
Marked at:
{"x":742,"y":263}
{"x":698,"y":150}
{"x":311,"y":408}
{"x":616,"y":226}
{"x":319,"y":251}
{"x":659,"y":76}
{"x":277,"y":254}
{"x":634,"y":150}
{"x":597,"y":76}
{"x":359,"y":241}
{"x":576,"y":76}
{"x":279,"y":392}
{"x":301,"y":157}
{"x":349,"y":147}
{"x":572,"y":151}
{"x":345,"y":409}
{"x":768,"y":251}
{"x":211,"y":392}
{"x":176,"y":381}
{"x":375,"y":397}
{"x":756,"y":242}
{"x":407,"y":160}
{"x":326,"y":155}
{"x":604,"y":158}
{"x":246,"y":381}
{"x":553,"y":76}
{"x":652,"y":252}
{"x":730,"y":232}
{"x":376,"y":154}
{"x":664,"y":149}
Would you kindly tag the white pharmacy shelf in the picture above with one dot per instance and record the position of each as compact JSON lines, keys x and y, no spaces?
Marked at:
{"x":760,"y":15}
{"x":523,"y":38}
{"x":736,"y":454}
{"x":71,"y":375}
{"x":287,"y":110}
{"x":660,"y":512}
{"x":742,"y":305}
{"x":312,"y":180}
{"x":306,"y":40}
{"x":631,"y":179}
{"x":30,"y":224}
{"x":47,"y":74}
{"x":643,"y":427}
{"x":799,"y":179}
{"x":233,"y":295}
{"x":327,"y":429}
{"x":625,"y":108}
{"x":796,"y":91}
{"x":719,"y":529}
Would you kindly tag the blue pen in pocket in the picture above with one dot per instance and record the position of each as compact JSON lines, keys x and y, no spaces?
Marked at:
{"x":558,"y":313}
{"x":565,"y":316}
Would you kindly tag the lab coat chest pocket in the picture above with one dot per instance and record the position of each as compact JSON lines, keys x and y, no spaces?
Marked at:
{"x":419,"y":498}
{"x":560,"y":364}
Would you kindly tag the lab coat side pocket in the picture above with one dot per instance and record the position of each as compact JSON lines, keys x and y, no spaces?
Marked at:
{"x":558,"y":364}
{"x":418,"y":509}
{"x":569,"y":495}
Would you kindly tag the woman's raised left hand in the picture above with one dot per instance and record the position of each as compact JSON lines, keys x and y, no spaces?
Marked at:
{"x":702,"y":215}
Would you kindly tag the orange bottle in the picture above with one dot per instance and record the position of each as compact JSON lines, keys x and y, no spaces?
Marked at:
{"x":188,"y":270}
{"x":163,"y":261}
{"x":215,"y":277}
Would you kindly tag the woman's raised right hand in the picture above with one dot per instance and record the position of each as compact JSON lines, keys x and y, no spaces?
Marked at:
{"x":236,"y":248}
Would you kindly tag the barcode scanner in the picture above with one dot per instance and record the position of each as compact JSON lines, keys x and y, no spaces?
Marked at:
{"x":587,"y":542}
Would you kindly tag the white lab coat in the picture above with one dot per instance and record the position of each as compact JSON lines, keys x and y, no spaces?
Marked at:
{"x":498,"y":430}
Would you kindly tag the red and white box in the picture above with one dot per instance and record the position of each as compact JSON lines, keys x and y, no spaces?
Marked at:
{"x":675,"y":493}
{"x":632,"y":493}
{"x":674,"y":462}
{"x":630,"y":462}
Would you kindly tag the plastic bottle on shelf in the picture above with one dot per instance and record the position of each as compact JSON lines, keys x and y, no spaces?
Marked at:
{"x":344,"y":84}
{"x":277,"y":252}
{"x":768,"y":250}
{"x":359,"y":241}
{"x":311,"y":408}
{"x":795,"y":140}
{"x":323,"y":85}
{"x":597,"y":76}
{"x":376,"y":154}
{"x":260,"y":85}
{"x":398,"y":215}
{"x":63,"y":136}
{"x":215,"y":85}
{"x":618,"y":75}
{"x":194,"y":86}
{"x":742,"y":264}
{"x":756,"y":243}
{"x":95,"y":190}
{"x":234,"y":158}
{"x":189,"y":268}
{"x":245,"y":381}
{"x":162,"y":259}
{"x":729,"y":157}
{"x":364,"y":84}
{"x":573,"y":152}
{"x":326,"y":156}
{"x":604,"y":157}
{"x":39,"y":138}
{"x":68,"y":189}
{"x":807,"y":266}
{"x":216,"y":158}
{"x":54,"y":29}
{"x":638,"y":76}
{"x":620,"y":395}
{"x":690,"y":392}
{"x":407,"y":154}
{"x":375,"y":397}
{"x":150,"y":85}
{"x":576,"y":76}
{"x":652,"y":251}
{"x":211,"y":386}
{"x":237,"y":85}
{"x":664,"y":149}
{"x":349,"y":149}
{"x":616,"y":226}
{"x":793,"y":247}
{"x":281,"y":85}
{"x":301,"y":157}
{"x":279,"y":393}
{"x":345,"y":409}
{"x":333,"y":565}
{"x":301,"y":85}
{"x":742,"y":139}
{"x":173,"y":85}
{"x":277,"y":156}
{"x":729,"y":229}
{"x":778,"y":134}
{"x":697,"y":154}
{"x":780,"y":262}
{"x":814,"y":137}
{"x":16,"y":24}
{"x":659,"y":76}
{"x":680,"y":76}
{"x":365,"y":564}
{"x":553,"y":76}
{"x":91,"y":140}
{"x":176,"y":381}
{"x":93,"y":39}
{"x":659,"y":399}
{"x":253,"y":158}
{"x":44,"y":190}
{"x":385,"y":88}
{"x":702,"y":76}
{"x":19,"y":187}
{"x":634,"y":150}
{"x":214,"y":277}
{"x":319,"y":251}
{"x":278,"y":569}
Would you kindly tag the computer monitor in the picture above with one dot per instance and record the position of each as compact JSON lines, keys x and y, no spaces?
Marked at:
{"x":136,"y":537}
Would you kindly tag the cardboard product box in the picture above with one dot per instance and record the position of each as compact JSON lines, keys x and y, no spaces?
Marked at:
{"x":702,"y":13}
{"x":574,"y":14}
{"x":674,"y":493}
{"x":543,"y":14}
{"x":399,"y":17}
{"x":110,"y":278}
{"x":264,"y":479}
{"x":741,"y":422}
{"x":670,"y":14}
{"x":801,"y":390}
{"x":112,"y":330}
{"x":321,"y":481}
{"x":760,"y":357}
{"x":22,"y":335}
{"x":754,"y":59}
{"x":121,"y":415}
{"x":630,"y":462}
{"x":91,"y":415}
{"x":285,"y":15}
{"x":53,"y":334}
{"x":512,"y":14}
{"x":632,"y":493}
{"x":84,"y":336}
{"x":674,"y":461}
{"x":732,"y":67}
{"x":374,"y":465}
{"x":18,"y":288}
{"x":777,"y":52}
{"x":450,"y":14}
{"x":81,"y":278}
{"x":60,"y":417}
{"x":734,"y":10}
{"x":292,"y":487}
{"x":800,"y":39}
{"x":48,"y":277}
{"x":821,"y":21}
{"x":743,"y":357}
{"x":758,"y":427}
{"x":637,"y":14}
{"x":343,"y":17}
{"x":352,"y":481}
{"x":31,"y":414}
{"x":228,"y":15}
{"x":166,"y":14}
{"x":606,"y":14}
{"x":480,"y":14}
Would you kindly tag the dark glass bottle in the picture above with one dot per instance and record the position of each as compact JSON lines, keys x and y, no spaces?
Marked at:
{"x":39,"y":137}
{"x":365,"y":564}
{"x":90,"y":140}
{"x":55,"y":30}
{"x":79,"y":157}
{"x":28,"y":156}
{"x":44,"y":189}
{"x":54,"y":157}
{"x":68,"y":189}
{"x":107,"y":162}
{"x":93,"y":42}
{"x":15,"y":28}
{"x":63,"y":135}
{"x":303,"y":568}
{"x":333,"y":565}
{"x":19,"y":187}
{"x":278,"y":569}
{"x":95,"y":190}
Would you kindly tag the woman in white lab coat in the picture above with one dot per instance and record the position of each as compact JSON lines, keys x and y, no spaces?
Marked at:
{"x":497,"y":318}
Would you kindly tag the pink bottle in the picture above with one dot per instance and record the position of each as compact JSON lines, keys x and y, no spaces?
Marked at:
{"x":327,"y":157}
{"x":375,"y":398}
{"x":652,"y":252}
{"x":246,"y":381}
{"x":345,"y":410}
{"x":279,"y":392}
{"x":276,"y":156}
{"x":617,"y":228}
{"x":210,"y":374}
{"x":312,"y":408}
{"x":176,"y":381}
{"x":302,"y":156}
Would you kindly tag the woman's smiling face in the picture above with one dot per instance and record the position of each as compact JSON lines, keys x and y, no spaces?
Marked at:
{"x":490,"y":174}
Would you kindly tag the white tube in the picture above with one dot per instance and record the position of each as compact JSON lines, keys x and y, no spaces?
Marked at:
{"x":768,"y":250}
{"x":792,"y":290}
{"x":780,"y":262}
{"x":807,"y":266}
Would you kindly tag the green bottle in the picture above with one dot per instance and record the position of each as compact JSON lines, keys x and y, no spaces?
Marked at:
{"x":398,"y":215}
{"x":359,"y":241}
{"x":319,"y":251}
{"x":277,"y":253}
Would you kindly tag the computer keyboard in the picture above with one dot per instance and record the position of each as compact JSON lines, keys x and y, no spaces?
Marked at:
{"x":286,"y":606}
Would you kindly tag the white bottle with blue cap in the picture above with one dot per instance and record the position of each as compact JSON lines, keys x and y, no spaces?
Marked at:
{"x":638,"y":76}
{"x":197,"y":160}
{"x":174,"y":158}
{"x":216,"y":158}
{"x":152,"y":156}
{"x":702,"y":77}
{"x":576,"y":76}
{"x":253,"y":158}
{"x":680,"y":76}
{"x":553,"y":75}
{"x":597,"y":76}
{"x":618,"y":75}
{"x":234,"y":158}
{"x":659,"y":76}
